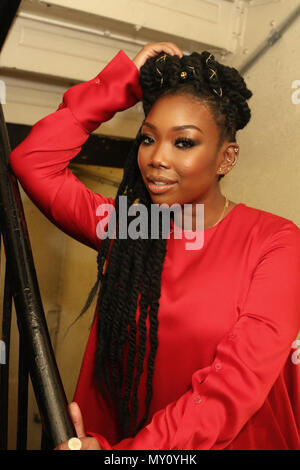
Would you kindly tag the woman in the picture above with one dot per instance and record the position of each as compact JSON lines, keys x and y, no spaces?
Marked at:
{"x":189,"y":349}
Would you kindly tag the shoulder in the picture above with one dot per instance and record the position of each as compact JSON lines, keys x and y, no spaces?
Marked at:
{"x":265,"y":219}
{"x":263,"y":225}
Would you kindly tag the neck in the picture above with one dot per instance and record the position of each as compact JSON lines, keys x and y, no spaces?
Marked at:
{"x":213,"y":212}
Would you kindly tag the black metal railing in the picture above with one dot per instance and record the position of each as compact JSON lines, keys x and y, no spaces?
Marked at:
{"x":36,"y":356}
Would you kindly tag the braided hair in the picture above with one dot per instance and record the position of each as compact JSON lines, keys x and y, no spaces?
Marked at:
{"x":129,"y":270}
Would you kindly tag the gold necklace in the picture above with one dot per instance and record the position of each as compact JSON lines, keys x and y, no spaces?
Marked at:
{"x":225,"y":207}
{"x":219,"y":220}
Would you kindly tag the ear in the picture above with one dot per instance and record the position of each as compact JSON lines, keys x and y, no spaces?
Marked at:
{"x":228,"y":158}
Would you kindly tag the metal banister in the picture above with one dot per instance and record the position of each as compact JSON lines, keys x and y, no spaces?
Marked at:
{"x":35,"y":341}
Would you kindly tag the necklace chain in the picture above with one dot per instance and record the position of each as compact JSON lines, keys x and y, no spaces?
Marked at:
{"x":220,"y":218}
{"x":224,"y":209}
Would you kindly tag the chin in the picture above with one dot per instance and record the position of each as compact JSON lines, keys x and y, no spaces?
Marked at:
{"x":160,"y":199}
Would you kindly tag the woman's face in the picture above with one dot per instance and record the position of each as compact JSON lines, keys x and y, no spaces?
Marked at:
{"x":179,"y":148}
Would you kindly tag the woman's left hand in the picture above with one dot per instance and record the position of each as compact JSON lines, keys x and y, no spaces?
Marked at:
{"x":87,"y":443}
{"x":154,"y":48}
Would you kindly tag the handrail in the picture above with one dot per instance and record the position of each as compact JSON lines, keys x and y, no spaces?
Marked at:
{"x":35,"y":339}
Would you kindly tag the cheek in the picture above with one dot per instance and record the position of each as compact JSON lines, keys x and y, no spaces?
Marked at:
{"x":192,"y":167}
{"x":140,"y":160}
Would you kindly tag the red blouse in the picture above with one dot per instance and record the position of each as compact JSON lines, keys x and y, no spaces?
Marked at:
{"x":227,"y":369}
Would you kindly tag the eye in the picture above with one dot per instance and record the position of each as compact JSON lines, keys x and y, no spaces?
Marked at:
{"x":146,"y":139}
{"x":184,"y":143}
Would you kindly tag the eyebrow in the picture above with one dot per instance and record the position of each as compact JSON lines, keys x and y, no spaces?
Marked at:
{"x":176,"y":128}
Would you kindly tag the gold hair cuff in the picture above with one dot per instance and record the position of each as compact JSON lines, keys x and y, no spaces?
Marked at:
{"x":161,"y":75}
{"x":220,"y":93}
{"x":208,"y":58}
{"x":213,"y":73}
{"x":163,"y":57}
{"x":193,"y":69}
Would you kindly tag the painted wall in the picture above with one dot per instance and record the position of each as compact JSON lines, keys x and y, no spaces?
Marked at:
{"x":267,"y":173}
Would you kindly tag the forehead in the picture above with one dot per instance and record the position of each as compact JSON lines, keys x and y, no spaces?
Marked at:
{"x":178,"y":110}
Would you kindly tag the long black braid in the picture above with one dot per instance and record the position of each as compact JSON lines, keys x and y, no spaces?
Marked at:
{"x":134,"y":266}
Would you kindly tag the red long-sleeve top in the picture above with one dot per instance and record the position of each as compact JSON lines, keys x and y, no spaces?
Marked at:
{"x":227,"y":369}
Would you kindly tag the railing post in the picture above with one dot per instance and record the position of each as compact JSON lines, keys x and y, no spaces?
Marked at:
{"x":4,"y":375}
{"x":22,"y":397}
{"x":32,"y":325}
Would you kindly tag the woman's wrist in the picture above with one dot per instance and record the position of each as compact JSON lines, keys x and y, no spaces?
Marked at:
{"x":102,"y":442}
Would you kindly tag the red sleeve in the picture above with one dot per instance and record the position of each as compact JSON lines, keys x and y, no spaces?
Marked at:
{"x":247,"y":362}
{"x":41,"y":161}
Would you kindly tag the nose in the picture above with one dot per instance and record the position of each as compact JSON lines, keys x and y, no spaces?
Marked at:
{"x":159,"y":159}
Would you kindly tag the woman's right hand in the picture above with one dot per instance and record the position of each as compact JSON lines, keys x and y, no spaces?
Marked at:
{"x":153,"y":49}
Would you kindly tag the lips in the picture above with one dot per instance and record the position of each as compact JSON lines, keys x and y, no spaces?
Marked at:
{"x":160,"y":179}
{"x":160,"y":184}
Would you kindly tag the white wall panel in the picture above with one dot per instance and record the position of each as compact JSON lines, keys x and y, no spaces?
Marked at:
{"x":66,"y":42}
{"x":41,"y":47}
{"x":198,"y":20}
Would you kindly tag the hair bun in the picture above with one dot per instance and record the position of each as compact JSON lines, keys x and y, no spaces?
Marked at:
{"x":202,"y":76}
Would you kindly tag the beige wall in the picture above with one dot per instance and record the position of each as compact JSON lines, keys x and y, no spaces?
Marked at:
{"x":267,"y":173}
{"x":266,"y":177}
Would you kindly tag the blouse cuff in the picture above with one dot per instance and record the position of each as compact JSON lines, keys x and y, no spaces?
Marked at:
{"x":104,"y":444}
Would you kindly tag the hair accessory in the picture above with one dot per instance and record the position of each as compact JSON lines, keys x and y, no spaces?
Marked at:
{"x":219,"y":93}
{"x":193,"y":69}
{"x":208,"y":58}
{"x":213,"y":73}
{"x":184,"y":74}
{"x":161,"y":76}
{"x":163,"y":57}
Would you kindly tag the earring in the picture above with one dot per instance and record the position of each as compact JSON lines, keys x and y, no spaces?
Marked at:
{"x":234,"y":160}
